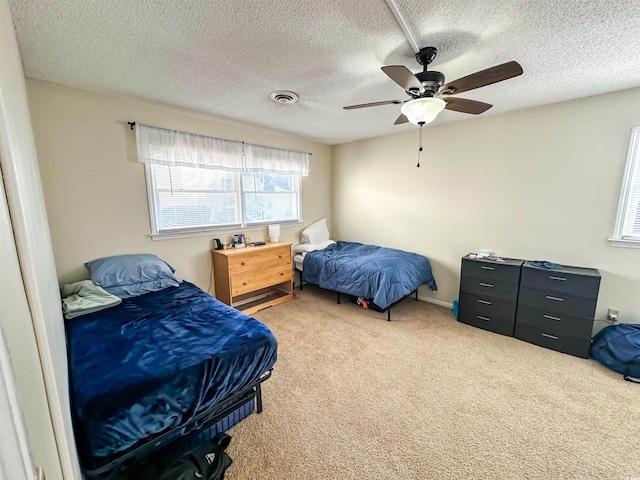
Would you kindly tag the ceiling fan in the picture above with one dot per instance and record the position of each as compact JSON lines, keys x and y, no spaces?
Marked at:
{"x":429,"y":95}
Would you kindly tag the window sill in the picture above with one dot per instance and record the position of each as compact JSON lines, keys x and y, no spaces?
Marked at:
{"x":619,"y":242}
{"x":223,"y":231}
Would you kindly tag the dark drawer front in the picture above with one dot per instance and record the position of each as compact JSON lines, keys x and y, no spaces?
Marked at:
{"x":555,"y":322}
{"x":489,"y":288}
{"x":487,"y":306}
{"x":491,"y":271}
{"x":557,"y":302}
{"x":489,"y":322}
{"x":558,"y":281}
{"x":555,"y":341}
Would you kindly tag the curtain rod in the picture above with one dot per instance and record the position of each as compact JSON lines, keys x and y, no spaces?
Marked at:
{"x":133,"y":124}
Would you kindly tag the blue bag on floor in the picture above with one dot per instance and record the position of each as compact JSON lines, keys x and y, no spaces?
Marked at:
{"x":618,"y":348}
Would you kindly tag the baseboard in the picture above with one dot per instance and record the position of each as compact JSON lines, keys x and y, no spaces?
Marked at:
{"x":437,"y":302}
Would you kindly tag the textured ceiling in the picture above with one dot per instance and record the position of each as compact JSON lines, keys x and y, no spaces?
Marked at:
{"x":225,"y":57}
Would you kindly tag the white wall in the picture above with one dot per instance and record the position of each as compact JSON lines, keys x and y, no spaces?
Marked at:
{"x":538,"y":184}
{"x":95,"y":189}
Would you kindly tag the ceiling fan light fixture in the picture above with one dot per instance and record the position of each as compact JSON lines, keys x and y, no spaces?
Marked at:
{"x":423,"y":110}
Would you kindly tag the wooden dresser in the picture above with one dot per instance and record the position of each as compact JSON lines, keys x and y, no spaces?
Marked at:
{"x":253,"y":278}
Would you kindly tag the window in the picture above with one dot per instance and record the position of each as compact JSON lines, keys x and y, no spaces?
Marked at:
{"x":627,"y":227}
{"x":270,"y":197}
{"x":199,"y":184}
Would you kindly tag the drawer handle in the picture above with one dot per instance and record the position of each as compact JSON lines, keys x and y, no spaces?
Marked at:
{"x":555,"y":299}
{"x":484,"y":267}
{"x":244,"y":283}
{"x":281,"y":273}
{"x":484,"y":301}
{"x":551,"y":317}
{"x":552,"y":337}
{"x":561,"y":279}
{"x":242,"y":263}
{"x":483,"y":318}
{"x":279,"y":256}
{"x":486,"y":285}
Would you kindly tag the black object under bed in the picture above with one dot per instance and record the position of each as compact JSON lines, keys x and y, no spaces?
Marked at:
{"x":370,"y":304}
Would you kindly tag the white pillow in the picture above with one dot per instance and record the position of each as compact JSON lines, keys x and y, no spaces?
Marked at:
{"x":317,"y":232}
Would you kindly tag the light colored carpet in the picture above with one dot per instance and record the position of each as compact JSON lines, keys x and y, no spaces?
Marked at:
{"x":353,"y":396}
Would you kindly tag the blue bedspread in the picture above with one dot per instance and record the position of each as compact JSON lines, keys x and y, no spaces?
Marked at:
{"x":156,"y":360}
{"x":385,"y":275}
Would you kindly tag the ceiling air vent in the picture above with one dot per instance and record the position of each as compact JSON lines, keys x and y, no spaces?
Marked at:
{"x":284,"y":97}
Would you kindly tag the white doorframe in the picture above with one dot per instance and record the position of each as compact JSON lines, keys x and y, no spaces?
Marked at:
{"x":15,"y":455}
{"x":25,"y":199}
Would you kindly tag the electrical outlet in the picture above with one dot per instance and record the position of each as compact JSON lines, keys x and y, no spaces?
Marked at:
{"x":613,"y":314}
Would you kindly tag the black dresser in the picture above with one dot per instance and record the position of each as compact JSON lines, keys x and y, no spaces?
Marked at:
{"x":489,"y":293}
{"x":556,"y":307}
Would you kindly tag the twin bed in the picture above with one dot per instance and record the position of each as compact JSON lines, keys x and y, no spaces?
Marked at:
{"x":159,"y":372}
{"x":380,"y":276}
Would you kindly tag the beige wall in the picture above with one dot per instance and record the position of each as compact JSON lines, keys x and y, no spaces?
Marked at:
{"x":539,"y":184}
{"x":95,"y":190}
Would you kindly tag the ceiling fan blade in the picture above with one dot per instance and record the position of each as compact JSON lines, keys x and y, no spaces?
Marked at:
{"x":403,"y":77}
{"x":465,"y":105}
{"x":482,"y":78}
{"x":374,"y":104}
{"x":401,"y":119}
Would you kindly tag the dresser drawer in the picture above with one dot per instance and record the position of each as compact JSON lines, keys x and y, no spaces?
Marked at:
{"x":248,"y":282}
{"x":554,"y":322}
{"x":489,"y":288}
{"x":486,"y":306}
{"x":259,"y":259}
{"x":555,"y":341}
{"x":495,"y":271}
{"x":489,"y":322}
{"x":581,"y":282}
{"x":557,"y":302}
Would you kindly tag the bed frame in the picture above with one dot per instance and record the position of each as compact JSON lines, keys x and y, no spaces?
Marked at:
{"x":126,"y":464}
{"x":388,"y":309}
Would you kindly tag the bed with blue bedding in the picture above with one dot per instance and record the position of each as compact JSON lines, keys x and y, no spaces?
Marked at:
{"x":159,"y":366}
{"x":382,"y":275}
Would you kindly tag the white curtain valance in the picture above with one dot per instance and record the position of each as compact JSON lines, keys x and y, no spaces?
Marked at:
{"x":259,"y":158}
{"x":174,"y":148}
{"x":170,"y":147}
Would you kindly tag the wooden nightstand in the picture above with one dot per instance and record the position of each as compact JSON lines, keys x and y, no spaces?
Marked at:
{"x":253,"y":278}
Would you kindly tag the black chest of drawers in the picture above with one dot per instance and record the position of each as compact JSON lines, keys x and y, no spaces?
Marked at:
{"x":556,"y":307}
{"x":489,"y":293}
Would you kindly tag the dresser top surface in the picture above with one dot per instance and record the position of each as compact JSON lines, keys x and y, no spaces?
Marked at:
{"x":514,"y":262}
{"x":229,"y":252}
{"x":566,"y":269}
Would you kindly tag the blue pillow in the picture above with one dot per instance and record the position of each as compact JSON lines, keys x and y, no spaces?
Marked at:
{"x":130,"y":275}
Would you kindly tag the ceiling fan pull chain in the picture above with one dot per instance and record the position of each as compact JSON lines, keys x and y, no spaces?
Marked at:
{"x":420,"y":148}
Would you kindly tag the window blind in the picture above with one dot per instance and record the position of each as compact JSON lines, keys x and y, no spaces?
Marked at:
{"x":630,"y":197}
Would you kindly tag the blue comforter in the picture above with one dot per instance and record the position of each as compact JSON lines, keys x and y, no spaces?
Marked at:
{"x":155,"y":361}
{"x":385,"y":275}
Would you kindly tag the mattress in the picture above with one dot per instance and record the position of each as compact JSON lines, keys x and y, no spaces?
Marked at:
{"x":298,"y":260}
{"x":155,"y":361}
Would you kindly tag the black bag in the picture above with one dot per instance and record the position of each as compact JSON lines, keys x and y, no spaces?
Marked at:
{"x":207,"y":461}
{"x":618,"y":347}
